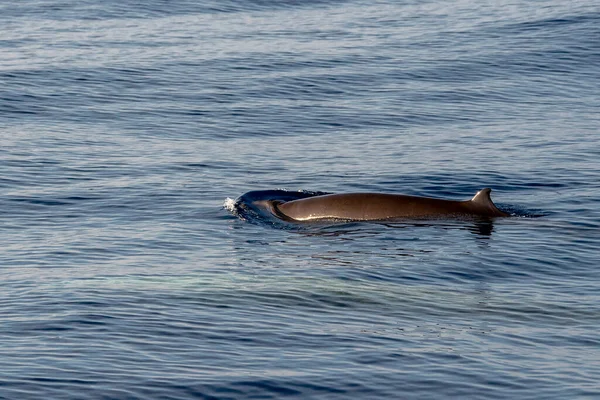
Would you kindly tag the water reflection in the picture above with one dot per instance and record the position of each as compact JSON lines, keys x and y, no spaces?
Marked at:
{"x":482,"y":227}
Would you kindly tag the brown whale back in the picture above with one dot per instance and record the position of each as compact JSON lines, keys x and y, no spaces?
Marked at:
{"x":377,"y":206}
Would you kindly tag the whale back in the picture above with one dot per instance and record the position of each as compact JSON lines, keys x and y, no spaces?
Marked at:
{"x":377,"y":206}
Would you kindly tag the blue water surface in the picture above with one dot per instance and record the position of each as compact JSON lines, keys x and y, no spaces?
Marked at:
{"x":128,"y":128}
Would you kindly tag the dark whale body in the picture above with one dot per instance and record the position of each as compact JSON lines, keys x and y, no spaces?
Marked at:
{"x":381,"y":207}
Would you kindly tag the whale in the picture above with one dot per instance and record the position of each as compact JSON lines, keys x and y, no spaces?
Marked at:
{"x":381,"y":207}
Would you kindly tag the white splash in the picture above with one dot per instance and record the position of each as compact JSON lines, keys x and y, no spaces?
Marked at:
{"x":229,"y":204}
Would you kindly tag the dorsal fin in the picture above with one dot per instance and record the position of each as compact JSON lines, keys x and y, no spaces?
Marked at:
{"x":483,"y":201}
{"x":483,"y":198}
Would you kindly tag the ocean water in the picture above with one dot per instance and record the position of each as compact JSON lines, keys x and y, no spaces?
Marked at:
{"x":127,"y":130}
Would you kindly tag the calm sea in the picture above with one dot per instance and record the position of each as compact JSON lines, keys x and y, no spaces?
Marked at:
{"x":125,"y":127}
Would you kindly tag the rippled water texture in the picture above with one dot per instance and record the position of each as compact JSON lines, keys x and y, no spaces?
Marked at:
{"x":125,"y":127}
